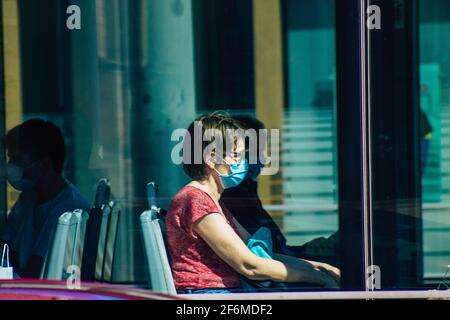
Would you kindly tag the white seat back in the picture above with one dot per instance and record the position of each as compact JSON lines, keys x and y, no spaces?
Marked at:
{"x":67,"y":245}
{"x":158,"y":266}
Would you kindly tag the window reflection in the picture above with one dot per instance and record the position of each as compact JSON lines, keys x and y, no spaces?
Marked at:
{"x":140,"y":69}
{"x":434,"y":101}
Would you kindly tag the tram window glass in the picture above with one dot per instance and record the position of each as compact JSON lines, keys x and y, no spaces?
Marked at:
{"x":434,"y":136}
{"x":409,"y":99}
{"x":137,"y":70}
{"x":286,"y":78}
{"x":309,"y":136}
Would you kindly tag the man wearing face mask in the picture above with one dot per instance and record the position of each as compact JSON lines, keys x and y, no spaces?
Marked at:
{"x":244,"y":203}
{"x":36,"y":153}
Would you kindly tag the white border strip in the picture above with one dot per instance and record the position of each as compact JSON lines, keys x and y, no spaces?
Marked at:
{"x":365,"y":146}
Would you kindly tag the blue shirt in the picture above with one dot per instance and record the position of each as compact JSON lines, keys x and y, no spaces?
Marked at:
{"x":30,"y":225}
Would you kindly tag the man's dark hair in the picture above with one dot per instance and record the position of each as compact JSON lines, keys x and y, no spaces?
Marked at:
{"x":39,"y":139}
{"x":249,"y":122}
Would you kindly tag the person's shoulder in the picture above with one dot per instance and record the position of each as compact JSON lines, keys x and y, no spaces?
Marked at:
{"x":190,"y":193}
{"x":76,"y":198}
{"x":191,"y":196}
{"x":27,"y":196}
{"x":25,"y":201}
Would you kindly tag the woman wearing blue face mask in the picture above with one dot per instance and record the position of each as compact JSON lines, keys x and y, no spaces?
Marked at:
{"x":238,"y":169}
{"x":206,"y":244}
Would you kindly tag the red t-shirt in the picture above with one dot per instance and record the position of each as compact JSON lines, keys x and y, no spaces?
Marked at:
{"x":194,"y":264}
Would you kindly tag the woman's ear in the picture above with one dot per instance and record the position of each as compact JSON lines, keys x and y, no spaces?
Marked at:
{"x":209,"y":160}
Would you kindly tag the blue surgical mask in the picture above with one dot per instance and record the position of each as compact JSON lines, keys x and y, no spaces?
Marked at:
{"x":254,"y":170}
{"x":14,"y":175}
{"x":237,"y":175}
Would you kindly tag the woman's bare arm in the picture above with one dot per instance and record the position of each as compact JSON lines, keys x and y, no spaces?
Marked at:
{"x":331,"y":270}
{"x":228,"y":245}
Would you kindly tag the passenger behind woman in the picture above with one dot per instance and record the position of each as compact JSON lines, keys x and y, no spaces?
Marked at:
{"x":36,"y":153}
{"x":206,"y":244}
{"x":245,"y":205}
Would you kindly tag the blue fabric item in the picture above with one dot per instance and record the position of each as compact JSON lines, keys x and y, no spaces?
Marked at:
{"x":261,"y":245}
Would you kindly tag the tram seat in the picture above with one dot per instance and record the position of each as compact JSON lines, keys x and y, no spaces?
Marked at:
{"x":85,"y":240}
{"x":66,"y":246}
{"x":154,"y":241}
{"x":101,"y":236}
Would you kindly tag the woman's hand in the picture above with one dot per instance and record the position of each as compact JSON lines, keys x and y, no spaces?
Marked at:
{"x":317,"y":272}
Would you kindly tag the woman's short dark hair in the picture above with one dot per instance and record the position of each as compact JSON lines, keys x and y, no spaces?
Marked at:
{"x":39,"y":139}
{"x":219,"y":121}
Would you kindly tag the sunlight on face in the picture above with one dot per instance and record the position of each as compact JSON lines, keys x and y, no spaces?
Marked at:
{"x":238,"y":153}
{"x":235,"y":156}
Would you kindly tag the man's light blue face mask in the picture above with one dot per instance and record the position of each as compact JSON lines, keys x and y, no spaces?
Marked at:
{"x":236,"y":176}
{"x":15,"y":176}
{"x":254,"y":170}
